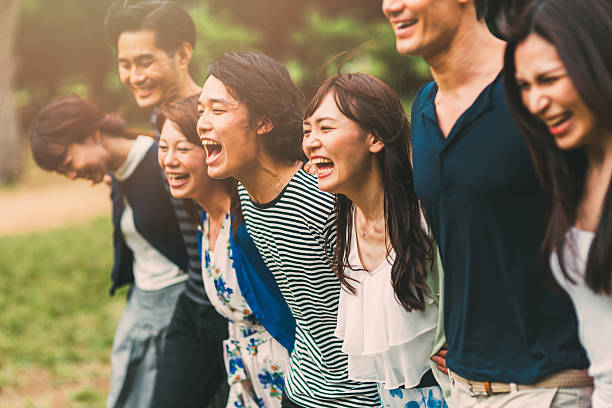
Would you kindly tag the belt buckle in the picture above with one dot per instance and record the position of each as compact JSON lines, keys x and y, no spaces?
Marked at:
{"x":487,"y":392}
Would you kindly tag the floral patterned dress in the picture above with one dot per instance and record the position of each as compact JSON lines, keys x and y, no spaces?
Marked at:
{"x":255,"y":362}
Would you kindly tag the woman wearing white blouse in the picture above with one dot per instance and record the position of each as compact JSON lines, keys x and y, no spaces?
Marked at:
{"x":356,"y":137}
{"x":559,"y":84}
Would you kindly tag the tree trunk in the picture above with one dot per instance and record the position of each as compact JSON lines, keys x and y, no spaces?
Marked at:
{"x":10,"y":151}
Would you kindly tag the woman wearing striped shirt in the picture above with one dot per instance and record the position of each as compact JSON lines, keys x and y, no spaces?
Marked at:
{"x":250,"y":125}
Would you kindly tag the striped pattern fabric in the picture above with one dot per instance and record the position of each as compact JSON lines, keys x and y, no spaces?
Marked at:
{"x":194,"y":288}
{"x":289,"y":232}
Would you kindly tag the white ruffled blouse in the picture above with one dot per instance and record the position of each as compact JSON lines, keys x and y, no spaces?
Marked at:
{"x":384,"y":343}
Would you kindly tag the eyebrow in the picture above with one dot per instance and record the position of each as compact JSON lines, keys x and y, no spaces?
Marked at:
{"x":138,"y":58}
{"x":319,"y":120}
{"x":545,"y":72}
{"x":218,"y":100}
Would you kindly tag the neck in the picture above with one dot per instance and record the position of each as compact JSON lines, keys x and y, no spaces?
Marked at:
{"x":215,"y":200}
{"x":187,"y":86}
{"x":118,"y":148}
{"x":267,"y":178}
{"x":599,"y":154}
{"x":368,"y":196}
{"x":474,"y":55}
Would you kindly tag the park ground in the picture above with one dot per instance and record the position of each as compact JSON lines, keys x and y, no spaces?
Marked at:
{"x":57,"y":317}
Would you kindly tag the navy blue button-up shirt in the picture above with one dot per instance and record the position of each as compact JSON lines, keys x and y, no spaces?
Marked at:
{"x":483,"y":201}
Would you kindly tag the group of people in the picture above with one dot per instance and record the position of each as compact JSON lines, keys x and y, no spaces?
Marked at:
{"x":342,"y":255}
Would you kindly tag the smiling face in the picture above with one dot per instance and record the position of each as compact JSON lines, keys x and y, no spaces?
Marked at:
{"x":86,"y":160}
{"x":183,"y":163}
{"x":341,"y":153}
{"x":147,"y":71}
{"x":423,"y":27}
{"x":549,"y":93}
{"x":230,"y":142}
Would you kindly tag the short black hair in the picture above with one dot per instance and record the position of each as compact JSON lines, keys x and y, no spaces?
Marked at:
{"x":264,"y":86}
{"x":172,"y":25}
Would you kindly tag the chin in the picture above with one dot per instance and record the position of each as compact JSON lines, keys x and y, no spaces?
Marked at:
{"x":329,"y":186}
{"x":218,"y":173}
{"x":149,"y":101}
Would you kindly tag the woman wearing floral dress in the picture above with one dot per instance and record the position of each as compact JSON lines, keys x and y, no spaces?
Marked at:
{"x":255,"y":361}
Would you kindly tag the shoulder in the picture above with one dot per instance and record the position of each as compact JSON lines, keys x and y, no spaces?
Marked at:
{"x":303,"y":192}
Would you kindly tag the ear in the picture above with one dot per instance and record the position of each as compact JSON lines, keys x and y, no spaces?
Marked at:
{"x":96,"y":136}
{"x":183,"y":54}
{"x":375,"y":142}
{"x":264,"y":126}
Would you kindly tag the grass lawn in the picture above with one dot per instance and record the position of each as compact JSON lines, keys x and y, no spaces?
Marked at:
{"x":57,"y":320}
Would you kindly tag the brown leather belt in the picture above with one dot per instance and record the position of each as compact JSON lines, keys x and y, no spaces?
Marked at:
{"x":562,"y":379}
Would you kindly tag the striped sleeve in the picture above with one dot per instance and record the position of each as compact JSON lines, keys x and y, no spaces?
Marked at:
{"x":290,"y":232}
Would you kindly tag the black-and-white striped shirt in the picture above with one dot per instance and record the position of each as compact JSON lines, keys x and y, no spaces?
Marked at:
{"x":289,"y":232}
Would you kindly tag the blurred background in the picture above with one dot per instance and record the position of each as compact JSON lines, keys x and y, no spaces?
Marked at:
{"x":55,"y":235}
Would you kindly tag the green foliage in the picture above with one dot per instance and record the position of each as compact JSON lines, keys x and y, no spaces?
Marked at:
{"x":54,"y":297}
{"x":217,"y":33}
{"x":61,"y":45}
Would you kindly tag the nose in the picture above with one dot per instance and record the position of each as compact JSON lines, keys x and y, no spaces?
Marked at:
{"x":170,"y":159}
{"x":392,"y":7}
{"x":310,"y":143}
{"x":137,"y":74}
{"x":204,"y":125}
{"x":537,"y":101}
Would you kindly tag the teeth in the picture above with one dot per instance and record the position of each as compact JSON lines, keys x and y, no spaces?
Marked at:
{"x":324,"y":172}
{"x":177,"y":177}
{"x":558,"y":120}
{"x":405,"y":24}
{"x":320,"y":160}
{"x":208,"y":142}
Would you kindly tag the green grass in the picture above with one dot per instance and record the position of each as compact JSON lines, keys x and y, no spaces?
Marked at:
{"x":56,"y":311}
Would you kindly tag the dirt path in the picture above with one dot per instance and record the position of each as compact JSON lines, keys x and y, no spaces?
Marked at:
{"x":43,"y":201}
{"x":38,"y":387}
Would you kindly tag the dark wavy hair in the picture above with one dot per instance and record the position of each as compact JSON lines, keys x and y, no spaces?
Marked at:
{"x":376,"y":109}
{"x":172,"y":25}
{"x":67,"y":120}
{"x":577,"y":29}
{"x":264,"y":86}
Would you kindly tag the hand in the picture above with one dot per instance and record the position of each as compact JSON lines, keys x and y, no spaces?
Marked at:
{"x":107,"y":179}
{"x":440,"y":359}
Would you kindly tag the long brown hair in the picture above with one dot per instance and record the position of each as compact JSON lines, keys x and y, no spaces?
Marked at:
{"x":376,"y":108}
{"x":66,"y":120}
{"x":577,"y":29}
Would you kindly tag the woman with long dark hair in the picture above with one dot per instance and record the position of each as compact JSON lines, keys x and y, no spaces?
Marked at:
{"x":356,"y":136}
{"x":254,"y":360}
{"x":559,"y":82}
{"x":74,"y":137}
{"x":251,"y":127}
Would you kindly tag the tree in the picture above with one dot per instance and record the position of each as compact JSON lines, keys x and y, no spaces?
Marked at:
{"x":10,"y":151}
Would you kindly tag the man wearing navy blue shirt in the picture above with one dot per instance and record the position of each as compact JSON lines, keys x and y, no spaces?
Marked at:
{"x":511,"y":341}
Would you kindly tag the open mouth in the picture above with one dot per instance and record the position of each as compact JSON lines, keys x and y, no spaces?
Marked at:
{"x":323,"y":166}
{"x":213,"y":150}
{"x":177,"y":180}
{"x":559,"y":123}
{"x":143,"y":92}
{"x":402,"y":25}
